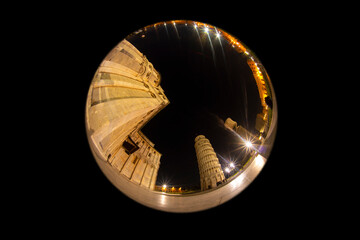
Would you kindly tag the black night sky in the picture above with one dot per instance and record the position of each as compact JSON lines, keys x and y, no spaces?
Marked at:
{"x":206,"y":82}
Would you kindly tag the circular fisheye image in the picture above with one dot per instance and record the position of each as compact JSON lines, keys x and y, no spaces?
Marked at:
{"x":181,"y":116}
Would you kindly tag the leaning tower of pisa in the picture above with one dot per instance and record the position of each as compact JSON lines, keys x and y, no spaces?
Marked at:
{"x":211,"y":174}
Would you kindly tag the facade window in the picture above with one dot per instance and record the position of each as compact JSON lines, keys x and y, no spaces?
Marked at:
{"x":129,"y":146}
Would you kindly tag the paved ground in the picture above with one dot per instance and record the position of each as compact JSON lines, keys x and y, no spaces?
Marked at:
{"x":184,"y":203}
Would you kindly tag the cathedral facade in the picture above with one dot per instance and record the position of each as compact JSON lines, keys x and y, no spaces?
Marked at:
{"x":124,"y":95}
{"x":138,"y":160}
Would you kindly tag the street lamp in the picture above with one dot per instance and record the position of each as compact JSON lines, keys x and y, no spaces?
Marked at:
{"x":232,"y":165}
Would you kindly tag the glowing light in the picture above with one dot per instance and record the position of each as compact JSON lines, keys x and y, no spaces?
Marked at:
{"x":227,"y":169}
{"x":248,"y":144}
{"x":195,"y":26}
{"x":232,"y":165}
{"x":164,"y":186}
{"x":206,"y":29}
{"x":218,"y":35}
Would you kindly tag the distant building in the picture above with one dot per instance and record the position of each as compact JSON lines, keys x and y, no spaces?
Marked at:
{"x":264,"y":93}
{"x":211,"y":174}
{"x":124,"y":95}
{"x":260,"y":81}
{"x":261,"y":123}
{"x":244,"y":133}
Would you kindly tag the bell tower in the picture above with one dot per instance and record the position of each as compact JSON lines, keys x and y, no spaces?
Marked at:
{"x":211,"y":174}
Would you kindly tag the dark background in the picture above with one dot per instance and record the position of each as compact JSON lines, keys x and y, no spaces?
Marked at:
{"x":74,"y":192}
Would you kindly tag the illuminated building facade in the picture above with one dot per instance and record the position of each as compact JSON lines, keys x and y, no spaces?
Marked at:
{"x":244,"y":134}
{"x":211,"y":174}
{"x":263,"y":93}
{"x":261,"y":123}
{"x":137,"y":159}
{"x":124,"y":95}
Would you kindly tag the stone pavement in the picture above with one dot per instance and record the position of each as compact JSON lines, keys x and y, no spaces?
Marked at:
{"x":184,"y":203}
